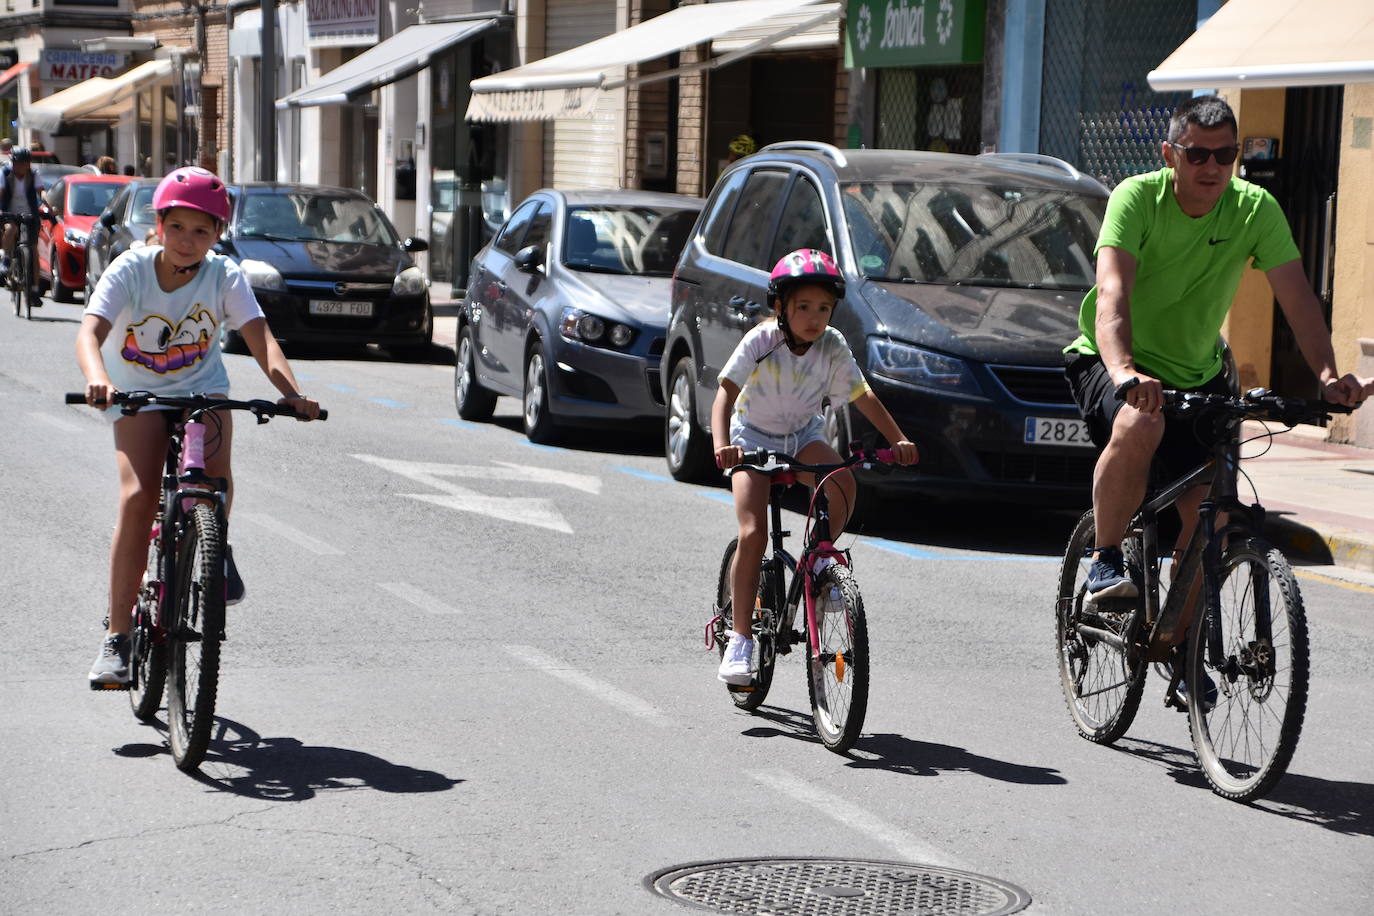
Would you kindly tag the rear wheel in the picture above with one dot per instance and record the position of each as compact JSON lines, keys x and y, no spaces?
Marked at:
{"x":194,"y":636}
{"x":1101,"y":671}
{"x":540,"y":426}
{"x":1255,"y":652}
{"x":766,"y":610}
{"x":837,"y":679}
{"x":685,"y":443}
{"x":19,"y":280}
{"x":474,"y":402}
{"x":147,"y":656}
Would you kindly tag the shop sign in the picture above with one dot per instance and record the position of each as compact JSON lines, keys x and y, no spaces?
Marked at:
{"x":532,"y":104}
{"x":55,"y":66}
{"x":341,"y":23}
{"x":914,"y":33}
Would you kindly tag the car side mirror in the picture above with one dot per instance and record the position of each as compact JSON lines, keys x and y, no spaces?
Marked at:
{"x":414,"y":245}
{"x":530,"y":258}
{"x":107,"y":219}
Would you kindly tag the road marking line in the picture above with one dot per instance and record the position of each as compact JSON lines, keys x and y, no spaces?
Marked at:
{"x":644,"y":475}
{"x":839,"y":809}
{"x":1331,"y":580}
{"x":545,"y":448}
{"x":459,"y":424}
{"x":601,"y":690}
{"x":718,"y":496}
{"x":342,"y":388}
{"x":906,"y":550}
{"x":66,"y":426}
{"x":418,"y":597}
{"x":387,"y":402}
{"x":294,"y":535}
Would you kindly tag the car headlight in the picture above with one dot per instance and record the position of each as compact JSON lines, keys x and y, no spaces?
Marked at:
{"x":919,"y":367}
{"x":409,"y":282}
{"x":584,"y":327}
{"x":75,"y":237}
{"x":262,"y":275}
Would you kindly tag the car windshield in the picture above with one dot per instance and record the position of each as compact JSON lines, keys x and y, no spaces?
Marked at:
{"x":310,"y":216}
{"x":89,"y":198}
{"x":143,"y":214}
{"x":626,"y":240}
{"x":976,"y":235}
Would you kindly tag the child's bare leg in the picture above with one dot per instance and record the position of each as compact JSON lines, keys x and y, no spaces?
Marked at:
{"x":140,"y":445}
{"x":751,"y":509}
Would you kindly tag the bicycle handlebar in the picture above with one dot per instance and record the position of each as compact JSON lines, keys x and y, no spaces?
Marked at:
{"x":134,"y":401}
{"x":766,"y":461}
{"x":1255,"y":404}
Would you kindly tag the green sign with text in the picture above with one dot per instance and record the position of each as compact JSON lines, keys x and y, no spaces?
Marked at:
{"x":914,"y":33}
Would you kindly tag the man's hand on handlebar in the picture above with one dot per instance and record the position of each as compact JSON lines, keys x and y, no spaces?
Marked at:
{"x":904,"y":452}
{"x":1139,"y":390}
{"x":1348,"y":389}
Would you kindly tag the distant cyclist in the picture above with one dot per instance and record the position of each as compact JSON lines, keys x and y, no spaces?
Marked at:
{"x":1170,"y":256}
{"x":20,"y":187}
{"x":770,"y":397}
{"x":153,"y":324}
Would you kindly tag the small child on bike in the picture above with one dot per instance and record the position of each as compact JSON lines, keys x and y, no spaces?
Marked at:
{"x":770,"y":397}
{"x":167,"y":305}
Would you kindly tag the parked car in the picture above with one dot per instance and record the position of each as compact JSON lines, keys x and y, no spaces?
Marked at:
{"x":567,"y":307}
{"x":76,"y":201}
{"x":964,"y":276}
{"x":123,"y":224}
{"x":51,"y":171}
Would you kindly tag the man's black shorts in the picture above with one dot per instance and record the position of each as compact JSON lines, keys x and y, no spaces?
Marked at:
{"x":1186,"y":444}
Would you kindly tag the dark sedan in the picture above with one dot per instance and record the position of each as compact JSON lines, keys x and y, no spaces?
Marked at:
{"x":123,"y":224}
{"x":567,"y":306}
{"x":328,"y":267}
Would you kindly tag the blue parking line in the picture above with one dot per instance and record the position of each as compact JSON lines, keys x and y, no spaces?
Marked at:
{"x":460,"y":424}
{"x":906,"y":550}
{"x":545,"y":448}
{"x":387,"y":402}
{"x":342,"y":388}
{"x":644,"y":475}
{"x":718,"y":496}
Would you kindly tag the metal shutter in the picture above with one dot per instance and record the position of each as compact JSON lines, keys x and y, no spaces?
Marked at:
{"x":584,"y":152}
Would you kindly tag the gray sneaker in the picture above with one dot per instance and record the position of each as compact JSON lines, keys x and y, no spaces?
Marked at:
{"x":111,"y":668}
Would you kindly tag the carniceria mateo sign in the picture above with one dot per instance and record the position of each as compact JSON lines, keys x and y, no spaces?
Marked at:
{"x":914,"y":33}
{"x":56,"y":66}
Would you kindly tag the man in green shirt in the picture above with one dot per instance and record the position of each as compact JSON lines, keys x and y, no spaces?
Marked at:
{"x":1171,"y":253}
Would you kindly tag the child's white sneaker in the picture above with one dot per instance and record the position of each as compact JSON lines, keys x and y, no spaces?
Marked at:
{"x":737,"y":665}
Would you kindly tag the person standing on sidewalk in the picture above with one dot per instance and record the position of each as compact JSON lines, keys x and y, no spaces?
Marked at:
{"x":1173,"y":247}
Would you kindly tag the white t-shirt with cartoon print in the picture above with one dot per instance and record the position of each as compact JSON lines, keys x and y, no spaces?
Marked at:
{"x":168,"y":343}
{"x":780,"y":392}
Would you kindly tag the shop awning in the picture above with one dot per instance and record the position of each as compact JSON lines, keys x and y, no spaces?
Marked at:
{"x":406,"y":53}
{"x":9,"y":78}
{"x":95,"y":97}
{"x":1255,"y":44}
{"x":565,"y":85}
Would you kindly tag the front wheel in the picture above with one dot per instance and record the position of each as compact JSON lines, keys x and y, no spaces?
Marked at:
{"x":197,"y":626}
{"x":685,"y":443}
{"x":540,"y":426}
{"x":1255,"y":652}
{"x":27,"y":264}
{"x":767,"y":607}
{"x":61,"y":292}
{"x":474,"y":402}
{"x":837,"y":679}
{"x":1101,"y":670}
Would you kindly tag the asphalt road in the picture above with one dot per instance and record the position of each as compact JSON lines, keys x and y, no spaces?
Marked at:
{"x":469,"y":677}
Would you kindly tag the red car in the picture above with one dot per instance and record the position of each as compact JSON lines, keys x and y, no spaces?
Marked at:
{"x":76,"y":201}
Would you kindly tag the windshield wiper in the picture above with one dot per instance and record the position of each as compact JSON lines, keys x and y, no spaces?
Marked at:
{"x":279,"y":238}
{"x":600,"y":269}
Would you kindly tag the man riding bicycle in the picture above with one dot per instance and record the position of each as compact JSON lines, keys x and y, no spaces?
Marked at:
{"x":1170,"y":256}
{"x":20,"y":186}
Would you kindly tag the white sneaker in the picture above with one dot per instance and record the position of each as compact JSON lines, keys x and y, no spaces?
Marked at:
{"x":737,"y":665}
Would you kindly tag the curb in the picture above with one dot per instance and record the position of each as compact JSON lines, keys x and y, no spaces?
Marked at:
{"x":1322,"y":546}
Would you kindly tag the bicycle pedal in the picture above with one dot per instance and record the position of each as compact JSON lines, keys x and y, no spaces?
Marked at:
{"x":740,"y":688}
{"x":100,"y":685}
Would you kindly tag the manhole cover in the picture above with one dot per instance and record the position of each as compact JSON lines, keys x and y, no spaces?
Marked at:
{"x":835,"y":887}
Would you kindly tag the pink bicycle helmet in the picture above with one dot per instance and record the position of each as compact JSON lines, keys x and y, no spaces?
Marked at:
{"x":193,"y":187}
{"x":805,"y":265}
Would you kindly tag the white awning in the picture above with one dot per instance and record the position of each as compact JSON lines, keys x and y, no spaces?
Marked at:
{"x":98,"y":97}
{"x":407,"y":52}
{"x":1255,"y":44}
{"x":565,"y":85}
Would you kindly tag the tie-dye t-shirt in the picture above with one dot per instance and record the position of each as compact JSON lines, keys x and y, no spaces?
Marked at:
{"x":168,"y":343}
{"x":781,"y":392}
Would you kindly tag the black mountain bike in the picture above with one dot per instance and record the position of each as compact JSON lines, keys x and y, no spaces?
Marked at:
{"x":23,"y":276}
{"x":835,"y":630}
{"x":178,"y":617}
{"x":1249,"y":642}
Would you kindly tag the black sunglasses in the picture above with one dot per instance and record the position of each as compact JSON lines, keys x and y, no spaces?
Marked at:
{"x":1197,"y":155}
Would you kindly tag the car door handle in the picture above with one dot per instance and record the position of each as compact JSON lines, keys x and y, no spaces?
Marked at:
{"x":501,"y":285}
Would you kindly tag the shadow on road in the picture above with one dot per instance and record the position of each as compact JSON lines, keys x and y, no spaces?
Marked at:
{"x":1344,"y":807}
{"x":900,"y":754}
{"x":285,"y":769}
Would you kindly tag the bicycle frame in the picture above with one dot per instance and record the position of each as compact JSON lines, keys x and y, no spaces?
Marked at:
{"x":800,"y":588}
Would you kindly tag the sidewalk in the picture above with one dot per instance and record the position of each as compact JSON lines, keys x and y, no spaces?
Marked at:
{"x":445,"y":314}
{"x":1319,"y":496}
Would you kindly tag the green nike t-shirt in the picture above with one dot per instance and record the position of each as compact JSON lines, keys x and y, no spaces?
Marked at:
{"x":1187,"y":270}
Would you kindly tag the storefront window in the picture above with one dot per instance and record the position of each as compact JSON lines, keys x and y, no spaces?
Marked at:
{"x":931,"y":108}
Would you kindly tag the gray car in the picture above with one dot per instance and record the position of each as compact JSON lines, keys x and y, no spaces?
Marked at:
{"x":567,"y":306}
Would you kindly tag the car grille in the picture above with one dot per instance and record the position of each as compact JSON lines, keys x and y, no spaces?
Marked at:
{"x":1030,"y":467}
{"x":1033,"y":384}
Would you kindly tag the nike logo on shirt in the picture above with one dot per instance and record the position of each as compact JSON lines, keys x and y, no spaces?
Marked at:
{"x":1216,"y":241}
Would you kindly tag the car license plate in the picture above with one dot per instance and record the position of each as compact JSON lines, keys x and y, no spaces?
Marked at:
{"x":1057,"y":431}
{"x":338,"y":307}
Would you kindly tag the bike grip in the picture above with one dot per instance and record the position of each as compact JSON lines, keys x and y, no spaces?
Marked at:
{"x":324,"y":414}
{"x":74,"y":397}
{"x":886,"y":455}
{"x":1126,"y":386}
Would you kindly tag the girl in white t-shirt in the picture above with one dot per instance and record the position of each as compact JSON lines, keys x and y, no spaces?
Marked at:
{"x":770,"y":396}
{"x":153,"y":324}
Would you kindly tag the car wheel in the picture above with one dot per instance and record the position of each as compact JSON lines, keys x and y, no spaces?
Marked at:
{"x":539,"y":423}
{"x":685,"y":443}
{"x":61,"y":292}
{"x":474,"y":402}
